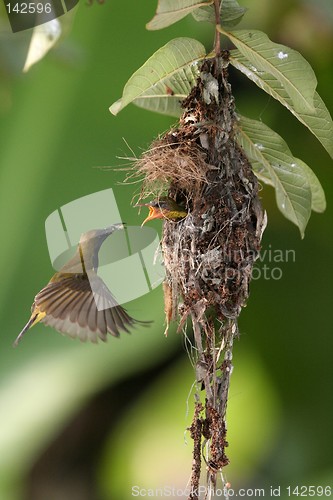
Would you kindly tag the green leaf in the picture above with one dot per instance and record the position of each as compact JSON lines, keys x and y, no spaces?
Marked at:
{"x":165,"y":79}
{"x":318,"y":200}
{"x":286,"y":65}
{"x":43,"y":39}
{"x":319,"y":123}
{"x":170,"y":11}
{"x":162,"y":103}
{"x":272,"y":158}
{"x":261,"y":171}
{"x":46,"y":36}
{"x":318,"y":196}
{"x":231,"y":13}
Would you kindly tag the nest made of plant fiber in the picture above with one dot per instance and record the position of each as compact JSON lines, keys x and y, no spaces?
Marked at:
{"x":173,"y":158}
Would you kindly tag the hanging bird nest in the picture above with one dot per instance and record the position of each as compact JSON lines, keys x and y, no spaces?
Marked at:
{"x":209,"y":255}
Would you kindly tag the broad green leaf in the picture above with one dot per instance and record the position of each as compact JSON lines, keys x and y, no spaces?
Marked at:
{"x":170,"y":11}
{"x":231,"y":14}
{"x":162,"y":103}
{"x":288,"y":66}
{"x":272,"y":157}
{"x":318,"y":196}
{"x":319,"y":123}
{"x":261,"y":172}
{"x":165,"y":79}
{"x":318,"y":200}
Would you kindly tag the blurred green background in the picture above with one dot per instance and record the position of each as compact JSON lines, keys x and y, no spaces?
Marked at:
{"x":89,"y":422}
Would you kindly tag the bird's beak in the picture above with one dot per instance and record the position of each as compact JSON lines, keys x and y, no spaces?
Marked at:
{"x":114,"y":227}
{"x":154,"y":213}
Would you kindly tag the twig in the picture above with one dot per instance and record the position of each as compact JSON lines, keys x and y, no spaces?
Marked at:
{"x":217,"y":42}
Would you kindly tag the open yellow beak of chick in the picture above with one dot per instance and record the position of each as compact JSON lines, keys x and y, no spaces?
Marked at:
{"x":154,"y":213}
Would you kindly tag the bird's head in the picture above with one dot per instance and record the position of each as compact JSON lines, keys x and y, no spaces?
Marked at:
{"x":94,"y":238}
{"x":164,"y":208}
{"x":99,"y":235}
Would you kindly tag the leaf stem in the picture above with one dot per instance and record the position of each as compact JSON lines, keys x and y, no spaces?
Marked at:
{"x":217,"y":42}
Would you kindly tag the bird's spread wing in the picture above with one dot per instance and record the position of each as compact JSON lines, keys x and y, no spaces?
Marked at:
{"x":74,"y":309}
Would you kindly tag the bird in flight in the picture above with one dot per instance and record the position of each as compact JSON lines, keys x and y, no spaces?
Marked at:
{"x":76,"y":301}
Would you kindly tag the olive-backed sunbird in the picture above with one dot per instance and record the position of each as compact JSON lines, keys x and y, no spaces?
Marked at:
{"x":164,"y":208}
{"x":76,"y":301}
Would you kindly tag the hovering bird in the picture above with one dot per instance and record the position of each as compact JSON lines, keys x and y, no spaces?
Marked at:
{"x":164,"y":208}
{"x":76,"y":301}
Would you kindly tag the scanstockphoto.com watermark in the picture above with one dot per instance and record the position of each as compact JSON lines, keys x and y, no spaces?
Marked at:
{"x":133,"y":254}
{"x":323,"y":491}
{"x":168,"y":491}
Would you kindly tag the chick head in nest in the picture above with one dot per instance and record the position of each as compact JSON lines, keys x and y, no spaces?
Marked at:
{"x":164,"y":208}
